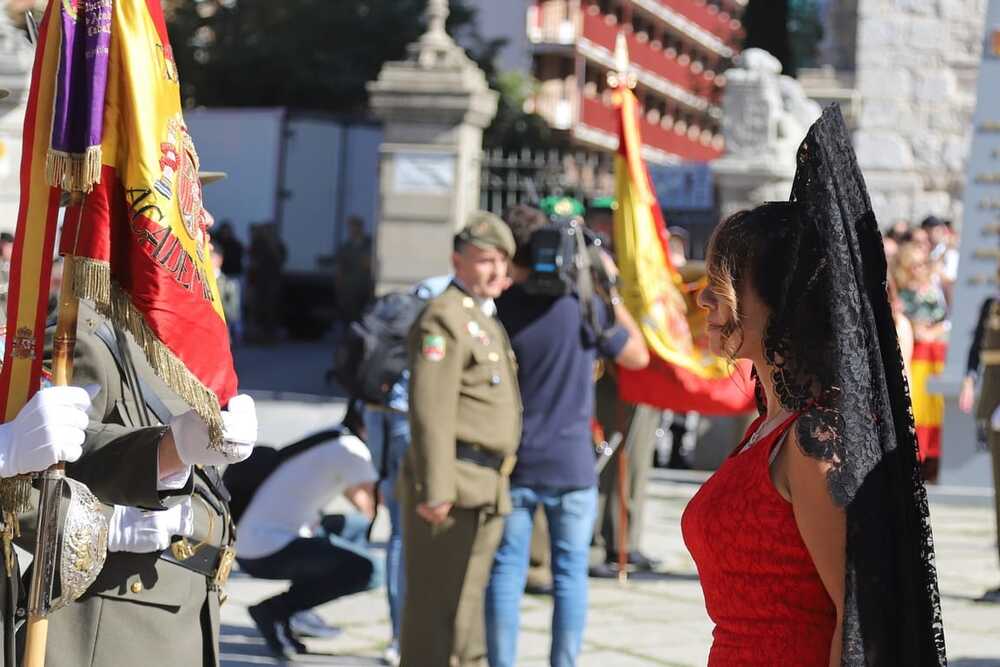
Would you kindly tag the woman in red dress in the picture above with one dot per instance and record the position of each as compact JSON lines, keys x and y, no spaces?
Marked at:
{"x":812,"y":540}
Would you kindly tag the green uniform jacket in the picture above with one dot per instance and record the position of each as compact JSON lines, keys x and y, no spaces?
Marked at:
{"x":988,"y":330}
{"x":142,"y":610}
{"x":463,"y":388}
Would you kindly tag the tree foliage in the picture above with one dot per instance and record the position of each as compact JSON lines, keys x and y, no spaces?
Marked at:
{"x":790,"y":30}
{"x":304,"y":54}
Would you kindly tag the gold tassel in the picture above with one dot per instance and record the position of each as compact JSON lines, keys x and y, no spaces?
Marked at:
{"x":73,"y":172}
{"x":93,"y":283}
{"x":92,"y":278}
{"x":15,"y":494}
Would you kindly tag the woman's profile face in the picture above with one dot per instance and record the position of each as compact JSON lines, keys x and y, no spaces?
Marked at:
{"x":736,"y":317}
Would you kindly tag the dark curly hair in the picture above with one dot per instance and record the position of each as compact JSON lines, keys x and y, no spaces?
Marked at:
{"x":761,"y":248}
{"x":523,"y":220}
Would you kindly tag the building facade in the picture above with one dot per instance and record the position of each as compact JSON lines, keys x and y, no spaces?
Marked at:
{"x":679,"y":50}
{"x":909,"y":70}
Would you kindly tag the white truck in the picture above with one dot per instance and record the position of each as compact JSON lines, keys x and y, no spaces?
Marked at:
{"x":305,"y":172}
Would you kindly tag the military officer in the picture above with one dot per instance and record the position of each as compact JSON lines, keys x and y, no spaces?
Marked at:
{"x":984,"y":360}
{"x":465,"y":420}
{"x":170,"y":544}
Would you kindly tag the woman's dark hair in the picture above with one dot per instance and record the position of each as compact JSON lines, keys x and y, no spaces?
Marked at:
{"x":760,"y":248}
{"x":523,"y":220}
{"x":750,"y":249}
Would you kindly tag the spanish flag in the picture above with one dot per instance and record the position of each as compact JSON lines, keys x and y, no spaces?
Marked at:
{"x":928,"y":409}
{"x":104,"y":119}
{"x":681,"y":375}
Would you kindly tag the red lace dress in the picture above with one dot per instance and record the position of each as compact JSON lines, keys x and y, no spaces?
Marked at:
{"x":761,"y":587}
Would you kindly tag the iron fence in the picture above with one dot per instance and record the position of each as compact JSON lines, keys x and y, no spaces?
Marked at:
{"x":526,"y":176}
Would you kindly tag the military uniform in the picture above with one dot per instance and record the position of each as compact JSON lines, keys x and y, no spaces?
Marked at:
{"x":984,"y":358}
{"x":465,"y":420}
{"x":159,"y":608}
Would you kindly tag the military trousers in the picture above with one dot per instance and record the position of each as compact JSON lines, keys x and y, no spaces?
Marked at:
{"x":447,"y":570}
{"x":994,"y":443}
{"x":638,"y":446}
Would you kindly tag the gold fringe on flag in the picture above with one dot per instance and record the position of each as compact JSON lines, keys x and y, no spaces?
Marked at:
{"x":73,"y":172}
{"x":15,"y":494}
{"x":93,"y":281}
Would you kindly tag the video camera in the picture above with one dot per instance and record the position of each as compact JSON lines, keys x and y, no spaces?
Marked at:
{"x":565,"y":255}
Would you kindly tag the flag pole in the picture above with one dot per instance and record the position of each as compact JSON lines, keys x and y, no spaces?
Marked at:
{"x":621,"y":77}
{"x":47,"y":526}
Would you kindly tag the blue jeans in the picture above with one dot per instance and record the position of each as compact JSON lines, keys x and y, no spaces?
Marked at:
{"x":388,"y":440}
{"x":570,"y":514}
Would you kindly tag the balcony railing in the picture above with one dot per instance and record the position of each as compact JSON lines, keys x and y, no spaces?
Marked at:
{"x":651,"y":57}
{"x":706,"y":16}
{"x":543,"y":29}
{"x":596,"y":114}
{"x":557,"y":107}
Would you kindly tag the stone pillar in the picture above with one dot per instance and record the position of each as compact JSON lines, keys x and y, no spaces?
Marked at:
{"x":434,"y":106}
{"x":16,"y":57}
{"x":962,"y":462}
{"x":765,"y":117}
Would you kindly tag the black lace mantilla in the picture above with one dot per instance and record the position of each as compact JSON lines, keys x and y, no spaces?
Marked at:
{"x":835,"y":355}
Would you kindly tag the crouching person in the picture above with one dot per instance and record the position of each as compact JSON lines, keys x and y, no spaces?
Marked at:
{"x":282,"y":533}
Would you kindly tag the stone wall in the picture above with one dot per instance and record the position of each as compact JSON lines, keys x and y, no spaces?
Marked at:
{"x":916,"y":66}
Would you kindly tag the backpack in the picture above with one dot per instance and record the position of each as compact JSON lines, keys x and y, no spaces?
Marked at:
{"x":244,"y":478}
{"x":372,"y":355}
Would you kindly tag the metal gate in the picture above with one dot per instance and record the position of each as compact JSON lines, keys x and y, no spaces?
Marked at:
{"x":526,"y":176}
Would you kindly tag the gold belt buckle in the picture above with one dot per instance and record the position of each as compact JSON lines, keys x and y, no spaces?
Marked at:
{"x":226,"y":558}
{"x":182,"y":549}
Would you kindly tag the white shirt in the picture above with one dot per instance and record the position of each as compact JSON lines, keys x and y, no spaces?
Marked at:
{"x":288,"y":503}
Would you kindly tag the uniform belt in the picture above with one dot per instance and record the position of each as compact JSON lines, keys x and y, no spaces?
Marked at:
{"x":989,"y":357}
{"x":465,"y":451}
{"x":213,"y":562}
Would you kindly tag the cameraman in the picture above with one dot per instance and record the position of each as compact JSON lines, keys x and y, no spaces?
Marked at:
{"x":556,"y":349}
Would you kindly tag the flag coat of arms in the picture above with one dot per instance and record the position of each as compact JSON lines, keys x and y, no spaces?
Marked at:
{"x":104,"y":120}
{"x":682,"y":374}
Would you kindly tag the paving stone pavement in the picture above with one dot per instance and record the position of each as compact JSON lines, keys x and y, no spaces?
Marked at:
{"x":654,"y":620}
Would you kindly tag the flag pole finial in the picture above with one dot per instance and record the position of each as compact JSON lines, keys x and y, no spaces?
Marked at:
{"x":622,"y":75}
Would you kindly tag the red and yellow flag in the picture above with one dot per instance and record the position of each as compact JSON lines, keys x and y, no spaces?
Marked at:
{"x":140,"y":236}
{"x":34,"y":239}
{"x":681,"y":375}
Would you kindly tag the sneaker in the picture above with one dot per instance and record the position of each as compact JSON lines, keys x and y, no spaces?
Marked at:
{"x":391,"y":655}
{"x":307,"y":623}
{"x":991,"y":596}
{"x":275,"y":632}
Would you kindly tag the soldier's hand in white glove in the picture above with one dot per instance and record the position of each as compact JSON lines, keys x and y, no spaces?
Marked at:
{"x":140,"y":531}
{"x":239,"y":433}
{"x":49,"y":428}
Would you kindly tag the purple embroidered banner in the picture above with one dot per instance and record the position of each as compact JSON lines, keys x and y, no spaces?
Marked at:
{"x":74,"y":159}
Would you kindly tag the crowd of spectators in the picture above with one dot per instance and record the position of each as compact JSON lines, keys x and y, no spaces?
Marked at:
{"x":923,"y":263}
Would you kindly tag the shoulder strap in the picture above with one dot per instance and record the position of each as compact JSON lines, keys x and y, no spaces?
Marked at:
{"x":114,"y":344}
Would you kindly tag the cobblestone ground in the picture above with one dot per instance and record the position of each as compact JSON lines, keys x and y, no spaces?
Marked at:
{"x":656,"y":619}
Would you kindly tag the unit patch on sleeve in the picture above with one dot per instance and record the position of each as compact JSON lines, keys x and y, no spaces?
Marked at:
{"x":433,"y":347}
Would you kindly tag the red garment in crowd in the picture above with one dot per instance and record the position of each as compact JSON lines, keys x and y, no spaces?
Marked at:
{"x":761,"y":587}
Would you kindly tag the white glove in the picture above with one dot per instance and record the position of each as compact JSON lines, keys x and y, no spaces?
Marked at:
{"x":48,"y":429}
{"x":140,"y":531}
{"x":239,"y":434}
